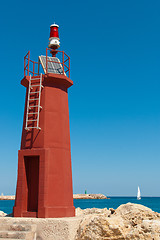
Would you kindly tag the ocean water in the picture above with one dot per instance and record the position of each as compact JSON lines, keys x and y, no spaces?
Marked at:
{"x":114,"y":202}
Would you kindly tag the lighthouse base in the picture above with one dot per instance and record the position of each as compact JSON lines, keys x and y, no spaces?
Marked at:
{"x":46,"y":212}
{"x":56,"y":212}
{"x":44,"y":185}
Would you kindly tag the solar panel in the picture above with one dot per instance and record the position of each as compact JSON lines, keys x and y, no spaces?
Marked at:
{"x":54,"y":64}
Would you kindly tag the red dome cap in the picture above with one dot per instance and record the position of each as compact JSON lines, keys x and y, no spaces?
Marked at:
{"x":54,"y":31}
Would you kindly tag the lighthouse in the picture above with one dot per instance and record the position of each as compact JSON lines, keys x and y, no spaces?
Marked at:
{"x":44,"y":181}
{"x":54,"y":37}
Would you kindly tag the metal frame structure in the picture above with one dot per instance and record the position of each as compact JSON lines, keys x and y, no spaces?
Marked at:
{"x":31,"y":66}
{"x":27,"y":66}
{"x":32,"y":69}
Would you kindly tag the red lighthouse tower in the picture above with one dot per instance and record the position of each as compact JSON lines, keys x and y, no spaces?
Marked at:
{"x":44,"y":184}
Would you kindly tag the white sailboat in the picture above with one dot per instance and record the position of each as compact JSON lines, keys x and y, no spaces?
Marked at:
{"x":138,"y":194}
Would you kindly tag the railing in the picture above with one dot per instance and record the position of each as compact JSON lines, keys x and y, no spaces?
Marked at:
{"x":30,"y":67}
{"x":34,"y":68}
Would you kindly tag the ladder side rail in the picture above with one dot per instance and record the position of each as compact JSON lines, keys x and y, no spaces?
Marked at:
{"x":29,"y":89}
{"x":39,"y":100}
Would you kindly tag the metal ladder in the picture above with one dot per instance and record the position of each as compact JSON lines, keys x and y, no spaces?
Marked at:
{"x":33,"y":102}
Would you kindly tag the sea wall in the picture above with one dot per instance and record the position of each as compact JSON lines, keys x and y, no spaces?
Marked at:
{"x":127,"y":222}
{"x":89,"y":196}
{"x":12,"y":197}
{"x":75,"y":196}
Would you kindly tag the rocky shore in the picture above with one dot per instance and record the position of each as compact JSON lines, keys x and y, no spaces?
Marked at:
{"x":75,"y":196}
{"x":127,"y":222}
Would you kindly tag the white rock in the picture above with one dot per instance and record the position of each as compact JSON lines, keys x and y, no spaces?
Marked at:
{"x":2,"y":214}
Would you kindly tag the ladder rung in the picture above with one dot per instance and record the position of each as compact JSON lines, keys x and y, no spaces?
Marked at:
{"x":34,"y":77}
{"x":33,"y":99}
{"x":27,"y":128}
{"x":28,"y":120}
{"x":33,"y":113}
{"x":33,"y":106}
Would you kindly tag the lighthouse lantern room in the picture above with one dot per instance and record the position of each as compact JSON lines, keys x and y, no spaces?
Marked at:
{"x":54,"y":37}
{"x":44,"y":182}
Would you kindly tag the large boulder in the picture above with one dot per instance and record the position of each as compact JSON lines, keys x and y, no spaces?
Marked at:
{"x":135,"y":213}
{"x":98,"y":227}
{"x":129,"y":221}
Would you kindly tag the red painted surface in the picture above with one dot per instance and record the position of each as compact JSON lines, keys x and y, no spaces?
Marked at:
{"x":54,"y":31}
{"x":44,"y":184}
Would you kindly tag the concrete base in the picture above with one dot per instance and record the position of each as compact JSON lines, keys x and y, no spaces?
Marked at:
{"x":48,"y":228}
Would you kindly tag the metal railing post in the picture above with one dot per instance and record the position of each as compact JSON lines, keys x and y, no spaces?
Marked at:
{"x":24,"y":66}
{"x":33,"y":67}
{"x":63,"y":62}
{"x":38,"y":66}
{"x":28,"y":62}
{"x":46,"y":61}
{"x":69,"y":66}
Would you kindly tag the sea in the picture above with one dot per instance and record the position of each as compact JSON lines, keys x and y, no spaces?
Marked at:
{"x":113,"y":202}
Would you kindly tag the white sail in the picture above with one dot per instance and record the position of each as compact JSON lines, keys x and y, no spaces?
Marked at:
{"x":138,"y":194}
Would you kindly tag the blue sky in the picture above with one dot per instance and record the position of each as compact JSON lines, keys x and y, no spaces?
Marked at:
{"x":115,"y":101}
